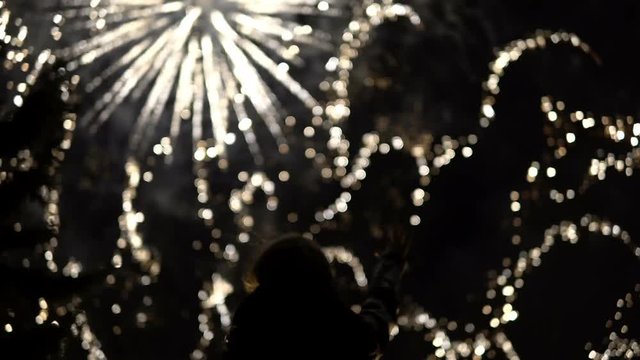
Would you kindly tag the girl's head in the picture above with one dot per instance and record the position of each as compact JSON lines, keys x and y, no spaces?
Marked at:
{"x":291,"y":262}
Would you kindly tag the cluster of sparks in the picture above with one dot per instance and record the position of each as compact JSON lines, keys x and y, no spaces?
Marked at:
{"x":207,"y":58}
{"x":21,"y":67}
{"x":49,"y":193}
{"x":502,"y":291}
{"x":431,"y":160}
{"x":620,"y":130}
{"x":21,"y":64}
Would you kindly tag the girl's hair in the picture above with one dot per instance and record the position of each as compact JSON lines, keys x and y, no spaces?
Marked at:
{"x":292,"y":261}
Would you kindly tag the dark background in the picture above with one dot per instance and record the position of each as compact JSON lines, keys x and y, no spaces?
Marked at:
{"x":433,"y":86}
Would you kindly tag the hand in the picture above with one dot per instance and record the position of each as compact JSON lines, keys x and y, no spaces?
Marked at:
{"x":398,"y":242}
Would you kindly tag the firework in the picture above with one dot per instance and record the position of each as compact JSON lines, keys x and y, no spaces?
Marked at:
{"x":213,"y":64}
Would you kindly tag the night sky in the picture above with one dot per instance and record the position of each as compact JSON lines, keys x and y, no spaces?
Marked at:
{"x":427,"y":83}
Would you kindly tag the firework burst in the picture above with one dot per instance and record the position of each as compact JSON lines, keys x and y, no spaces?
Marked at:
{"x":214,"y":64}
